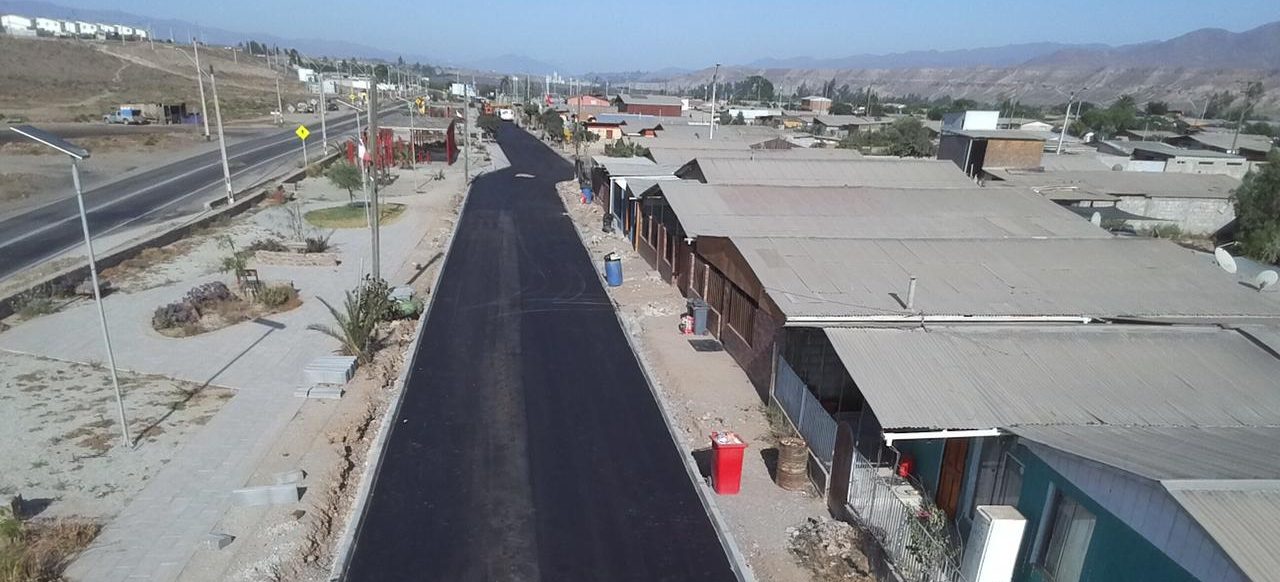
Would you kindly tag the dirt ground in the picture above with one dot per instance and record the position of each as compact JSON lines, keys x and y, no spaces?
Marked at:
{"x":62,"y":451}
{"x":81,"y":80}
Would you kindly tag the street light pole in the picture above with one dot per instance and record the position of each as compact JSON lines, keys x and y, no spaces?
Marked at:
{"x":222,"y":139}
{"x":97,"y":297}
{"x":374,"y":154}
{"x":714,"y":77}
{"x":279,"y":103}
{"x":324,"y":128}
{"x":76,"y":154}
{"x":204,"y":107}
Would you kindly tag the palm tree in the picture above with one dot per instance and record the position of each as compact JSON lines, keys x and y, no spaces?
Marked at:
{"x":357,"y":323}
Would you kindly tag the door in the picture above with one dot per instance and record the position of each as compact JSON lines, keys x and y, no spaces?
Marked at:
{"x":951,"y":477}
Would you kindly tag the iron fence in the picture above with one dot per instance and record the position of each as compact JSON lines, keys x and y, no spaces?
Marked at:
{"x":806,"y":413}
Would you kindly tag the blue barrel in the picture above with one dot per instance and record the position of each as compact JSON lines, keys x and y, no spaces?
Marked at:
{"x":586,"y":194}
{"x":613,"y":269}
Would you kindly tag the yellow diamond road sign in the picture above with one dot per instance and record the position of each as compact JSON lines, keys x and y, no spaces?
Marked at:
{"x":302,"y":132}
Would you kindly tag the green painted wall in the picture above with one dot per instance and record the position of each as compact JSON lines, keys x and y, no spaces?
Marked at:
{"x":928,"y":458}
{"x":1116,"y":552}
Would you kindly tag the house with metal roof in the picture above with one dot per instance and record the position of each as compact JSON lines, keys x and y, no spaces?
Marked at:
{"x":1252,"y":147}
{"x":1197,"y":204}
{"x":1153,"y":156}
{"x":650,"y":104}
{"x":872,"y":172}
{"x":978,"y":151}
{"x":840,"y":126}
{"x":1131,"y":451}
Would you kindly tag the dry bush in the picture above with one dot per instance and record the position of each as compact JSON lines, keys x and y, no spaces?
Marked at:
{"x":41,"y":550}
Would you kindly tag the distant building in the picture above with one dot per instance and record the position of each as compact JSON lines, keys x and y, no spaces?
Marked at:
{"x":86,"y":29}
{"x":978,"y":150}
{"x":17,"y":25}
{"x":840,"y":126}
{"x":816,"y":104}
{"x":966,"y":120}
{"x":1252,"y":147}
{"x":660,"y":105}
{"x":1154,"y":156}
{"x":586,"y":101}
{"x":306,"y":75}
{"x":48,"y":27}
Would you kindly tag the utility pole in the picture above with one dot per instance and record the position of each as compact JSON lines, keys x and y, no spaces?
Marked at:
{"x":222,"y":139}
{"x":466,"y":134}
{"x":373,"y":189}
{"x":204,"y":107}
{"x":867,"y":113}
{"x":279,"y":103}
{"x":1066,"y":122}
{"x":714,"y":77}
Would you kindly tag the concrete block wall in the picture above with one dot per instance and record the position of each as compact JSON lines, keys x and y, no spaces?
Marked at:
{"x":1202,"y":216}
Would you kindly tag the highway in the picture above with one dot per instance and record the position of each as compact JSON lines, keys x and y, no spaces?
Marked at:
{"x":528,"y":445}
{"x":32,"y":237}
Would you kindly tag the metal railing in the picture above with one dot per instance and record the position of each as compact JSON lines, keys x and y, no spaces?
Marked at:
{"x":806,"y":413}
{"x":916,"y":551}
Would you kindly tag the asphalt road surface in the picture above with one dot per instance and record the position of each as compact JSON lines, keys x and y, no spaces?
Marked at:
{"x":44,"y":232}
{"x":528,"y":445}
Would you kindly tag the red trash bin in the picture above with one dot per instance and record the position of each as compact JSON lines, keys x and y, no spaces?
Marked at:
{"x":726,"y":462}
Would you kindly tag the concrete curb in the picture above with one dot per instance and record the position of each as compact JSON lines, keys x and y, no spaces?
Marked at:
{"x":132,"y":249}
{"x":343,"y":551}
{"x":737,"y":561}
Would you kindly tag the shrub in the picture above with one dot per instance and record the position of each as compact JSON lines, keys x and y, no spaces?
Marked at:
{"x":208,"y":295}
{"x":317,"y":244}
{"x":358,"y":321}
{"x":438,"y":176}
{"x":174,"y":315}
{"x":277,"y":295}
{"x":34,"y":303}
{"x":151,"y":140}
{"x":267,"y":244}
{"x":315,"y":171}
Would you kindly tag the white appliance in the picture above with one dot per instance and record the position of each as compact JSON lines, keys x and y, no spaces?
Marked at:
{"x":992,"y":551}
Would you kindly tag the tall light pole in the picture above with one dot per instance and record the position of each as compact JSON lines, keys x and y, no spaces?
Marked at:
{"x":413,"y":144}
{"x":204,"y":107}
{"x":76,"y":154}
{"x":279,"y":103}
{"x":222,"y":139}
{"x":374,"y":154}
{"x":324,"y":104}
{"x":714,"y":77}
{"x":1066,"y":122}
{"x":466,"y":135}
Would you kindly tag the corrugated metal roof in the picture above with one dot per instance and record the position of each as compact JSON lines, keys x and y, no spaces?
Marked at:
{"x":635,"y":166}
{"x":976,"y":377}
{"x":848,"y":120}
{"x":651,"y":100}
{"x":1148,"y":184}
{"x":695,"y":143}
{"x":1165,"y":149}
{"x":881,"y":173}
{"x":1160,"y":453}
{"x":1117,"y":277}
{"x":1073,"y":162}
{"x":788,"y":211}
{"x":1222,"y":140}
{"x":680,"y":156}
{"x":1013,"y":134}
{"x":746,"y":133}
{"x":1241,"y":517}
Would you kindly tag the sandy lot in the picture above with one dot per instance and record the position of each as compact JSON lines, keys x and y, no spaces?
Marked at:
{"x":62,"y":439}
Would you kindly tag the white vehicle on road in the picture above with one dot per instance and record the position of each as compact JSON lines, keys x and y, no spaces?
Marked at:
{"x":506,"y":115}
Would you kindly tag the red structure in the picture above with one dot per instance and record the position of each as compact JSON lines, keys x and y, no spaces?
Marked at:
{"x":726,"y":464}
{"x":660,"y":105}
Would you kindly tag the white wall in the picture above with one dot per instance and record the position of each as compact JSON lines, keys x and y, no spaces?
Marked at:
{"x":1192,"y":215}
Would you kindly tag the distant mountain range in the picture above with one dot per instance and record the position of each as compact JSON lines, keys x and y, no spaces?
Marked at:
{"x":1207,"y":48}
{"x":1000,"y":56}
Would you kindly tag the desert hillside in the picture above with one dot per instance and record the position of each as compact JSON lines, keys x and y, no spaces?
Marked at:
{"x":66,"y":80}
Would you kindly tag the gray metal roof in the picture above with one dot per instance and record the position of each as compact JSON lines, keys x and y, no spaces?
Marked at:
{"x":634,"y":166}
{"x":680,"y":141}
{"x":1222,"y":140}
{"x":1011,"y":134}
{"x":1111,"y":277}
{"x":976,"y":377}
{"x":1147,"y":184}
{"x":746,"y":133}
{"x":1165,"y":149}
{"x":1073,"y":162}
{"x":681,"y":156}
{"x":400,"y":120}
{"x":1161,"y":452}
{"x":651,"y":100}
{"x":789,"y":211}
{"x":1241,"y":516}
{"x":882,"y":173}
{"x":849,"y":120}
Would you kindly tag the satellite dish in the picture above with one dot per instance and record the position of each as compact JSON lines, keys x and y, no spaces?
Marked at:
{"x":1096,"y":219}
{"x":1225,"y":260}
{"x":1266,"y":279}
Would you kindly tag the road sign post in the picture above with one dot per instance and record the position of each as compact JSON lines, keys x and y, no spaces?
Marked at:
{"x":302,"y":132}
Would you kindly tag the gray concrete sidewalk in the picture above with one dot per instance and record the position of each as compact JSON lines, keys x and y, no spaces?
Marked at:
{"x":159,"y":530}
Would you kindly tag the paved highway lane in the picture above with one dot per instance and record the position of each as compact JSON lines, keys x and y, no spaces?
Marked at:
{"x":528,"y":445}
{"x":32,"y":237}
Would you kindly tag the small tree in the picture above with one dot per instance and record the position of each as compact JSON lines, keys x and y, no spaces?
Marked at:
{"x":841,"y":109}
{"x":488,"y":123}
{"x":739,"y":119}
{"x":357,"y":322}
{"x":625,"y":149}
{"x":553,"y":124}
{"x":344,"y":175}
{"x":1257,"y":203}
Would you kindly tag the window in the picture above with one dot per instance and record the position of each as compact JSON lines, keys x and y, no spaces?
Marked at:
{"x":1068,"y":542}
{"x":999,"y":474}
{"x":740,"y":311}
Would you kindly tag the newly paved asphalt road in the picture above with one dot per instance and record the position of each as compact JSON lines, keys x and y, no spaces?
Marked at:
{"x":32,"y":237}
{"x":528,"y":445}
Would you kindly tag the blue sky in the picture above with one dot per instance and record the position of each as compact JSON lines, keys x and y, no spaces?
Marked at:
{"x":581,"y":35}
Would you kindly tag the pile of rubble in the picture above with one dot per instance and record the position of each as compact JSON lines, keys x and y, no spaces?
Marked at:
{"x":830,"y":549}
